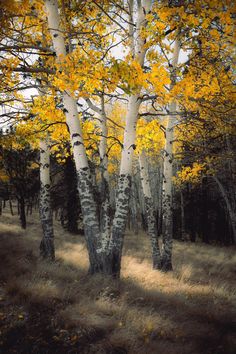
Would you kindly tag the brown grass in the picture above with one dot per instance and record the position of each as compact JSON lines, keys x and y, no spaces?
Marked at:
{"x":190,"y":310}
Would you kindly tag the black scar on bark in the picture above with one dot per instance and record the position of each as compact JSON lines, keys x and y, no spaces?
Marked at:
{"x":55,"y":35}
{"x":75,"y":135}
{"x":65,"y":110}
{"x":77,"y":143}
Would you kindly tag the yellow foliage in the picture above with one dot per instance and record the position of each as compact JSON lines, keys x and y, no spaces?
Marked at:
{"x":190,"y":174}
{"x":149,"y":137}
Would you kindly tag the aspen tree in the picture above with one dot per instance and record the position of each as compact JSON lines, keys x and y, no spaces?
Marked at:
{"x":168,"y":174}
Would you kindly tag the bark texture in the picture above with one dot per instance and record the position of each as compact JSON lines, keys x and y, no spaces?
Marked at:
{"x":45,"y":210}
{"x":149,"y":210}
{"x":21,"y":201}
{"x":114,"y":253}
{"x":105,"y":212}
{"x":167,"y":213}
{"x":88,"y":206}
{"x":138,"y":52}
{"x":103,"y":258}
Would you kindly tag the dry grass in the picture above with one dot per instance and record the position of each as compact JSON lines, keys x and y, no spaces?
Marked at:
{"x":188,"y":311}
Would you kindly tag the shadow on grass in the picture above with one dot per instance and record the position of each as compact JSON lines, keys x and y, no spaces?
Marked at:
{"x":67,"y":311}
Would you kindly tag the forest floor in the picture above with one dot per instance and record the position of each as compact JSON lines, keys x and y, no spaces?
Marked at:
{"x":58,"y":308}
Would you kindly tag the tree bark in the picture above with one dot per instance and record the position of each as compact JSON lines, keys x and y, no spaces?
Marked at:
{"x":113,"y":261}
{"x":106,"y":261}
{"x":72,"y":196}
{"x":45,"y":211}
{"x":182,"y":215}
{"x":10,"y":205}
{"x":150,"y":212}
{"x":124,"y":182}
{"x":88,"y":206}
{"x":167,"y":213}
{"x":21,"y":202}
{"x":105,"y":211}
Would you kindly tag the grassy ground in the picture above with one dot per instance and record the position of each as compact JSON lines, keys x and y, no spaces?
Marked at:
{"x":57,"y":308}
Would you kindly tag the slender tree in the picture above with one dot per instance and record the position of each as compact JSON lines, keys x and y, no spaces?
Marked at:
{"x":168,"y":173}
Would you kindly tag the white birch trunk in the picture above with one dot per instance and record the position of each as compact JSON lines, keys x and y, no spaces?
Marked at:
{"x":92,"y":231}
{"x":45,"y":211}
{"x":123,"y":189}
{"x":149,"y":210}
{"x":105,"y":214}
{"x":134,"y":207}
{"x":91,"y":225}
{"x":124,"y":182}
{"x":168,"y":176}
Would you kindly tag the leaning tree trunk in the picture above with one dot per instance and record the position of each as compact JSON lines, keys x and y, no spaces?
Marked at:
{"x":45,"y":209}
{"x":149,"y":209}
{"x":88,"y":205}
{"x":167,"y":213}
{"x":231,"y":212}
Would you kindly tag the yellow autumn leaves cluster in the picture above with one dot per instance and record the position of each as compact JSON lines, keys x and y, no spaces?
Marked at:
{"x":85,"y":75}
{"x":190,"y":174}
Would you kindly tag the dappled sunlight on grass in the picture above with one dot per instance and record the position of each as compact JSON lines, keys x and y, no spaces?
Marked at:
{"x":74,"y":254}
{"x":145,"y":312}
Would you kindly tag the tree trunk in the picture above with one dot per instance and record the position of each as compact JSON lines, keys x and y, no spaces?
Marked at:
{"x":150,"y":212}
{"x":0,"y":205}
{"x":72,"y":196}
{"x":113,"y":261}
{"x":10,"y":205}
{"x":108,"y":261}
{"x":45,"y":211}
{"x":134,"y":208}
{"x":231,"y":213}
{"x":105,"y":211}
{"x":167,"y":213}
{"x":124,"y":182}
{"x":21,"y":201}
{"x":88,"y":206}
{"x":182,"y":215}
